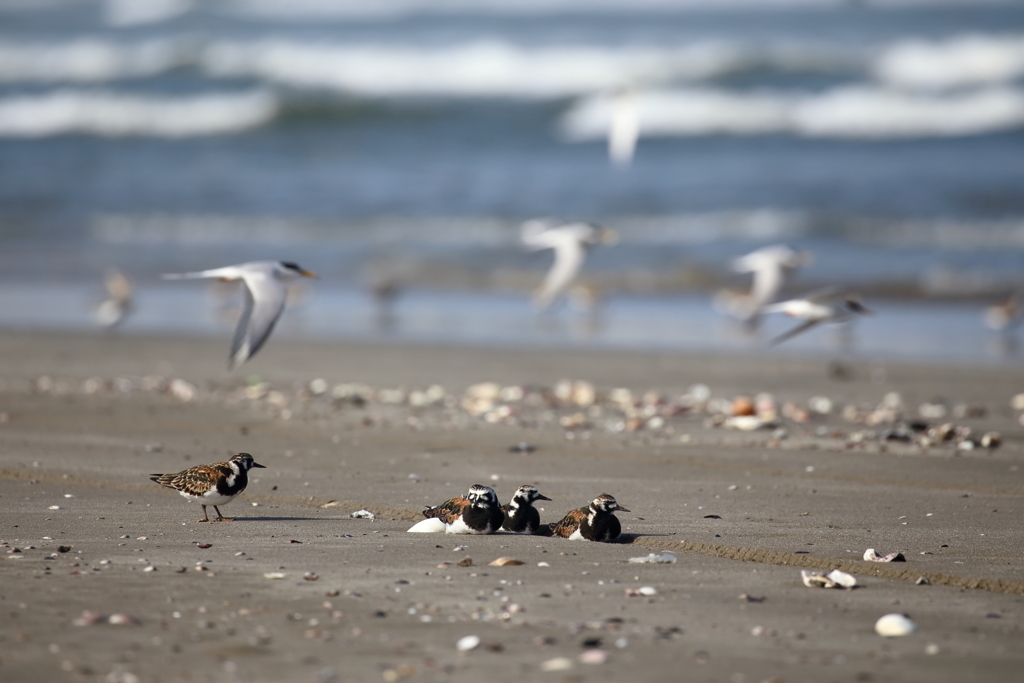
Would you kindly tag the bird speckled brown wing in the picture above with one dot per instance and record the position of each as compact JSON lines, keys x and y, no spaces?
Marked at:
{"x":570,"y":523}
{"x":195,"y":480}
{"x":447,"y":511}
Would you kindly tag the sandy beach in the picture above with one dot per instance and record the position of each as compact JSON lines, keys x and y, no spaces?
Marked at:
{"x":84,"y":419}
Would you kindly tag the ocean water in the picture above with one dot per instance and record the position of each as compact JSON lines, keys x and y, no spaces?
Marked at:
{"x":405,"y":141}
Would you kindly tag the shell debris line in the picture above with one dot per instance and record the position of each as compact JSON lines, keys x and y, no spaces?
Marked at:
{"x":871,"y":556}
{"x":580,"y":409}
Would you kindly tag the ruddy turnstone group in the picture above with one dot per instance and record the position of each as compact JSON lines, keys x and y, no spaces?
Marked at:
{"x":215,"y":484}
{"x":478,"y":512}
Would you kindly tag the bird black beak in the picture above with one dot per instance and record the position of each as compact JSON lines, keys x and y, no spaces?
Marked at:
{"x":619,"y":508}
{"x":542,"y":497}
{"x":256,"y":464}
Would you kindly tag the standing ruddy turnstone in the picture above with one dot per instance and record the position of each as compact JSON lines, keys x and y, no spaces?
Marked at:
{"x":477,"y":513}
{"x":596,"y":522}
{"x":520,"y":515}
{"x":215,"y":484}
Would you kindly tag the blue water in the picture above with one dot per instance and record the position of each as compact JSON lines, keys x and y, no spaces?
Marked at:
{"x":411,"y":140}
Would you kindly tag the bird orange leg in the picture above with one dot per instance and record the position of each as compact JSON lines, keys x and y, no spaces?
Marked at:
{"x":206,"y":516}
{"x":220,"y":517}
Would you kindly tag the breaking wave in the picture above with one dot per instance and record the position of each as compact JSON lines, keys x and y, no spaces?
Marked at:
{"x":92,"y":60}
{"x":961,"y":61}
{"x":116,"y":114}
{"x":850,"y":112}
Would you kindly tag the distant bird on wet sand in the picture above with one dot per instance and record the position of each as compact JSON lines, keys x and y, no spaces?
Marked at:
{"x":829,"y":305}
{"x":265,"y":295}
{"x":570,"y":242}
{"x":1004,"y":315}
{"x":215,"y":484}
{"x":118,"y":304}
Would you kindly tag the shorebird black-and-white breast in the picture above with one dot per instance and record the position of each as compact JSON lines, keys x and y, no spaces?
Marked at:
{"x":478,"y":512}
{"x":520,"y":515}
{"x":594,"y":522}
{"x":830,"y":305}
{"x":213,"y":485}
{"x":265,"y":295}
{"x":570,"y":242}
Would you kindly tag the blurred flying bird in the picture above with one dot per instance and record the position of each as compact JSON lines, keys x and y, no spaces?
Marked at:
{"x":571,"y":242}
{"x":265,"y":295}
{"x":623,"y":129}
{"x":113,"y":311}
{"x":771,"y":266}
{"x":829,"y":305}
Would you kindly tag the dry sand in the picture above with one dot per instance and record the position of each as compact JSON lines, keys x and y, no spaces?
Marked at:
{"x":385,"y":607}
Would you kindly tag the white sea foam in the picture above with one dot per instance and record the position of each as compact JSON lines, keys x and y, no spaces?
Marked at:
{"x":92,"y":59}
{"x":136,"y":12}
{"x":849,"y":112}
{"x":118,"y":114}
{"x":961,"y":61}
{"x":484,"y":68}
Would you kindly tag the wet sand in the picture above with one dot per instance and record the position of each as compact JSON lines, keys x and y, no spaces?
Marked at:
{"x":743,"y":512}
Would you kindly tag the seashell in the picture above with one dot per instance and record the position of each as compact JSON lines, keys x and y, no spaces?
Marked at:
{"x":362,"y":514}
{"x":871,"y":556}
{"x":182,"y":390}
{"x":557,"y":664}
{"x":742,"y":405}
{"x":467,"y":643}
{"x":318,"y":386}
{"x":121,"y":619}
{"x":932,"y":411}
{"x":512,"y":394}
{"x":894,"y":625}
{"x":563,"y":390}
{"x":1017,"y":402}
{"x":274,"y":575}
{"x":820,"y":404}
{"x":583,"y":393}
{"x":543,"y":564}
{"x":594,"y":656}
{"x":465,"y":562}
{"x":90,"y":618}
{"x":816,"y":579}
{"x":745,"y":423}
{"x":505,"y":562}
{"x":310,"y":576}
{"x":666,"y":558}
{"x":431,"y":525}
{"x":647,"y":591}
{"x":842,"y":578}
{"x":484,"y":390}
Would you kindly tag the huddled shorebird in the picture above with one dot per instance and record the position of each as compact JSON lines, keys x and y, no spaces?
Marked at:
{"x":594,"y":522}
{"x":477,"y":513}
{"x":520,"y":515}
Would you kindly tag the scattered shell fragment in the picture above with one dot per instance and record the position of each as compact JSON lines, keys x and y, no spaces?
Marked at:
{"x":121,"y":619}
{"x":923,"y":581}
{"x":467,"y":643}
{"x":310,"y":576}
{"x":55,"y":507}
{"x":465,"y":562}
{"x":505,"y":562}
{"x":556,"y":664}
{"x":331,"y":504}
{"x":274,"y":575}
{"x":363,"y":514}
{"x":894,"y":625}
{"x":813,"y":578}
{"x":594,"y":656}
{"x":991,"y":440}
{"x":871,"y":556}
{"x":664,"y":558}
{"x":182,"y":390}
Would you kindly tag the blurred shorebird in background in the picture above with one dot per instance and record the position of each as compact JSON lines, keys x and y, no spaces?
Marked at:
{"x":118,"y":304}
{"x":265,"y":295}
{"x":570,"y":242}
{"x":831,"y":305}
{"x":772,"y":267}
{"x":1005,"y":315}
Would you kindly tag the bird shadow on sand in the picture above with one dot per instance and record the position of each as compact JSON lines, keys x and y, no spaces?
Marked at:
{"x":283,"y":519}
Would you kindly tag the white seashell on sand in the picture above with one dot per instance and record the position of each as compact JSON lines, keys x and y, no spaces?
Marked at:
{"x":895,"y":625}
